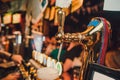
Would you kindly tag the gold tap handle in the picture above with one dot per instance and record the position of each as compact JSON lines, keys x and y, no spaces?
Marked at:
{"x":61,"y":19}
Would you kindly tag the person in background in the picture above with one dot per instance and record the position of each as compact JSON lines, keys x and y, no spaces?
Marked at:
{"x":6,"y":66}
{"x":55,"y":52}
{"x":51,"y":46}
{"x":112,"y":58}
{"x":7,"y":60}
{"x":73,"y":51}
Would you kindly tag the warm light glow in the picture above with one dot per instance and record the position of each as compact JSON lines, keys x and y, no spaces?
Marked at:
{"x":7,"y":18}
{"x":16,"y":18}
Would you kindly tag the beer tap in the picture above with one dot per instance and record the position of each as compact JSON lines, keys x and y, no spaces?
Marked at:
{"x":61,"y":19}
{"x":17,"y":42}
